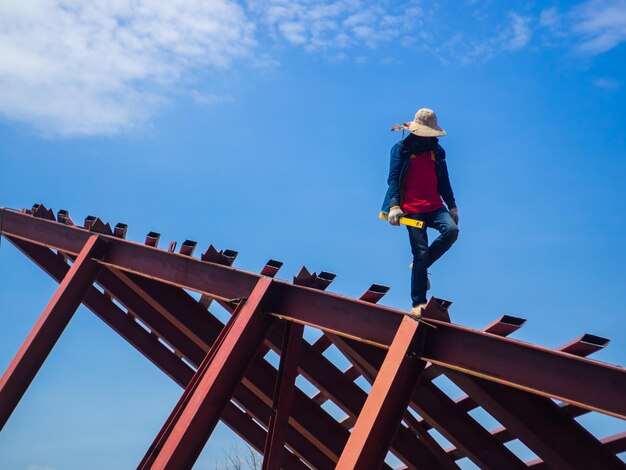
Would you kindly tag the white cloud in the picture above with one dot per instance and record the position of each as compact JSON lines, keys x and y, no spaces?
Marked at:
{"x":465,"y":48}
{"x":549,"y":17}
{"x":72,"y":68}
{"x":601,"y":24}
{"x":90,"y":68}
{"x":609,"y":84}
{"x":329,"y":26}
{"x":519,"y":32}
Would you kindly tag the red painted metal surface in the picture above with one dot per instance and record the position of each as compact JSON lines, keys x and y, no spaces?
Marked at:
{"x":147,"y":282}
{"x":49,"y":327}
{"x":590,"y":384}
{"x":283,"y":396}
{"x":362,"y":320}
{"x":539,"y":423}
{"x":149,"y":345}
{"x":225,"y":366}
{"x":315,"y":367}
{"x":380,"y":417}
{"x":438,"y":410}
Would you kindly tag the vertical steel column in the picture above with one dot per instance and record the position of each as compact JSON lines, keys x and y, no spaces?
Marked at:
{"x":226,"y":364}
{"x":49,"y":327}
{"x":389,"y":397}
{"x":283,"y":396}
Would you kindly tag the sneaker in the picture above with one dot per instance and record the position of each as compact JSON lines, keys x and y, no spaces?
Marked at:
{"x":416,"y":312}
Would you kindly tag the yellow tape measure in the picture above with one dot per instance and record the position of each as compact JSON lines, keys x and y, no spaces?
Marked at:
{"x":404,"y":220}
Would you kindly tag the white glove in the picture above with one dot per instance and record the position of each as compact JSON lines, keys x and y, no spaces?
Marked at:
{"x":394,"y":215}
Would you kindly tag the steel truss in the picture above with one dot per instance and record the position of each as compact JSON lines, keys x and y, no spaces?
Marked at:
{"x":143,"y":293}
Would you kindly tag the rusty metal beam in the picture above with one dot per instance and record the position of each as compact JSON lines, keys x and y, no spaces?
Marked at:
{"x":283,"y":396}
{"x":380,"y":417}
{"x":49,"y":327}
{"x":224,"y":367}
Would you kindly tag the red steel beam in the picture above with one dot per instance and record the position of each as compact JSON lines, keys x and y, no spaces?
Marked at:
{"x":283,"y":396}
{"x":296,"y":441}
{"x":502,"y":326}
{"x":616,"y":443}
{"x":49,"y":327}
{"x":423,"y":452}
{"x":438,"y":410}
{"x":149,"y":345}
{"x":586,"y":383}
{"x":183,"y":402}
{"x":226,"y":366}
{"x":539,"y":423}
{"x":380,"y":417}
{"x":581,"y":346}
{"x":307,"y":419}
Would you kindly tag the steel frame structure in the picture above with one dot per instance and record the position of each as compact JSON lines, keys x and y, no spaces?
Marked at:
{"x":143,"y":293}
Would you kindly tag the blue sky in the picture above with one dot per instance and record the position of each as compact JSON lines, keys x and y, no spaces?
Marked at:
{"x":264,"y":127}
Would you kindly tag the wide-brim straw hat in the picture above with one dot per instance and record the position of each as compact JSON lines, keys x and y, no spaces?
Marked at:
{"x":425,"y":124}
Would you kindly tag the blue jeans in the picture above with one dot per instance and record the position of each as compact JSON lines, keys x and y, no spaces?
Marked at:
{"x":423,"y":255}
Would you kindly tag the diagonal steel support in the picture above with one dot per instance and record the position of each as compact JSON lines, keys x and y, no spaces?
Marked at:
{"x":148,"y":344}
{"x":213,"y":385}
{"x":49,"y":327}
{"x":389,"y":397}
{"x":283,"y":396}
{"x":307,"y":421}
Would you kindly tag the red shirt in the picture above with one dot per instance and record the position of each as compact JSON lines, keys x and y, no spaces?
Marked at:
{"x":420,"y":185}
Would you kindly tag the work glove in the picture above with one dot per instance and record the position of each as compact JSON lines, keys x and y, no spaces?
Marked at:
{"x":394,"y":215}
{"x":454,"y":212}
